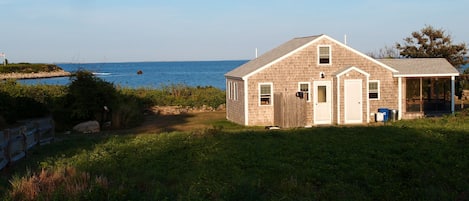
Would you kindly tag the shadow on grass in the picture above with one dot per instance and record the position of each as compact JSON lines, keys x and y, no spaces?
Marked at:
{"x":425,"y":159}
{"x":332,"y":163}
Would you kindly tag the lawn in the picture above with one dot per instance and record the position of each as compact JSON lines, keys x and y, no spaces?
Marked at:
{"x":425,"y":159}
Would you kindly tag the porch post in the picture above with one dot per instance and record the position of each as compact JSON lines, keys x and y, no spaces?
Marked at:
{"x":399,"y":101}
{"x":421,"y":95}
{"x":452,"y":94}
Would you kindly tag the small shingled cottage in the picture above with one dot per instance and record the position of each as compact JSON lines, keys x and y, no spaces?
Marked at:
{"x":318,"y":80}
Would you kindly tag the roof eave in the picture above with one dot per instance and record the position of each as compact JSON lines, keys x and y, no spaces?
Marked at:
{"x":282,"y":57}
{"x":428,"y":75}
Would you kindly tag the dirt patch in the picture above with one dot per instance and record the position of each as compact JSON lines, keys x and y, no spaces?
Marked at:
{"x":177,"y":119}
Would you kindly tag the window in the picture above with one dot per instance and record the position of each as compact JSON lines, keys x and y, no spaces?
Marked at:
{"x":324,"y":54}
{"x":304,"y":87}
{"x":322,"y":94}
{"x":232,"y":91}
{"x":373,"y":89}
{"x":265,"y":94}
{"x":235,"y":91}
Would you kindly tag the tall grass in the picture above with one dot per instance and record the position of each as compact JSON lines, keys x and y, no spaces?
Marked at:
{"x":65,"y":183}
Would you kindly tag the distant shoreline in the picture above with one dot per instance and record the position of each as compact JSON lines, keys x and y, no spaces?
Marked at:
{"x":34,"y":75}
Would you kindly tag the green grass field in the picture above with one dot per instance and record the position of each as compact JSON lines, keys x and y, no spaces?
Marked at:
{"x":426,"y":159}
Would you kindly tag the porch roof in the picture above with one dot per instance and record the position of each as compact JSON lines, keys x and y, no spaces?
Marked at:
{"x":421,"y":67}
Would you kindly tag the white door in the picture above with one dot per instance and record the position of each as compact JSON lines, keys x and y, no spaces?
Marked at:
{"x":353,"y":101}
{"x":322,"y":101}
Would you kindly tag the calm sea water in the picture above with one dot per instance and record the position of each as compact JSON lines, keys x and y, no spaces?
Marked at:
{"x":155,"y":74}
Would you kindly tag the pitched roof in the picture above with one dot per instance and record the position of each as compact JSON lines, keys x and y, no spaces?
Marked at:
{"x":421,"y":67}
{"x":270,"y":56}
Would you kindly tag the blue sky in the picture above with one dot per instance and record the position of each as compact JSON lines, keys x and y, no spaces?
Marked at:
{"x":82,"y":31}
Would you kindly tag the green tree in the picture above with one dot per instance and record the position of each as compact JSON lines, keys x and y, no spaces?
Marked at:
{"x":88,"y":95}
{"x":433,"y":43}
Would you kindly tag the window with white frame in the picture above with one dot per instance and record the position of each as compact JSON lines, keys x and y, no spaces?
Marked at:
{"x":373,"y":89}
{"x":324,"y":54}
{"x":230,"y":90}
{"x":304,"y":87}
{"x":235,"y":91}
{"x":265,"y":94}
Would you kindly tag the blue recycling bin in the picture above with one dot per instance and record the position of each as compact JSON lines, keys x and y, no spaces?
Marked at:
{"x":385,"y":111}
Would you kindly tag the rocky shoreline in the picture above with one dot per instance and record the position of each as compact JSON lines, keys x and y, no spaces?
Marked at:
{"x":34,"y":75}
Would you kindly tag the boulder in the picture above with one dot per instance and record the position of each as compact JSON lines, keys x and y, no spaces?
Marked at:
{"x":87,"y":127}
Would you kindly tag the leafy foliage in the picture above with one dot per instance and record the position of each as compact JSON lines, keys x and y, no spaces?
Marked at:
{"x":88,"y":94}
{"x":433,"y":43}
{"x":29,"y":68}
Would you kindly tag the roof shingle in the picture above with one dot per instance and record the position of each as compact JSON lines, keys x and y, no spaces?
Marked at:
{"x":420,"y":67}
{"x":270,"y":56}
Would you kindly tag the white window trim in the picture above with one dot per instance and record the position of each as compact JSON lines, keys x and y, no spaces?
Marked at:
{"x":229,"y":88}
{"x":330,"y":55}
{"x":309,"y":89}
{"x":235,"y":91}
{"x":379,"y":89}
{"x":271,"y":93}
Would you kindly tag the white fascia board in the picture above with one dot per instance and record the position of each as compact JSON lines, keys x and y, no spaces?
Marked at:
{"x":353,"y":68}
{"x":428,"y":75}
{"x":364,"y":55}
{"x":282,"y":57}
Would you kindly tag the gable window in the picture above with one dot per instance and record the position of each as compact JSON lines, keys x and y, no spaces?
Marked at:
{"x":304,"y":87}
{"x":324,"y":54}
{"x":373,"y":89}
{"x":265,"y":94}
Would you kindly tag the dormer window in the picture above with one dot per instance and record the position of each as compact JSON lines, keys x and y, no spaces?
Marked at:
{"x":324,"y":55}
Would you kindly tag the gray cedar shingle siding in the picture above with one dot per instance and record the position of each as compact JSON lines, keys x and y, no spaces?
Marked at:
{"x":270,"y":56}
{"x":296,"y":61}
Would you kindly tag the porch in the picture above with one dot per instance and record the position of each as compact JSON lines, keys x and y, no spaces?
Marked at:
{"x":428,"y":96}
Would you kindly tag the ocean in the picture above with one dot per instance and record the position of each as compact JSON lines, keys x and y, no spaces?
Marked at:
{"x":154,"y":74}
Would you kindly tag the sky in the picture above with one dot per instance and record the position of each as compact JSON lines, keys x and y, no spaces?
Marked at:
{"x":84,"y":31}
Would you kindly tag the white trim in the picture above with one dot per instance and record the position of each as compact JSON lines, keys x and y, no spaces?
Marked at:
{"x":235,"y":91}
{"x":367,"y":102}
{"x":350,"y":69}
{"x":338,"y":101}
{"x":319,"y":55}
{"x":314,"y":41}
{"x":309,"y":89}
{"x":281,"y":58}
{"x":399,"y":96}
{"x":246,"y":103}
{"x":346,"y":91}
{"x":379,"y":90}
{"x":427,"y":75}
{"x":452,"y":94}
{"x":328,"y":84}
{"x":271,"y":103}
{"x":361,"y":54}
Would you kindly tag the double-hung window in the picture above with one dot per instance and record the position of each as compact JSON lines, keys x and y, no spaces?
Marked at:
{"x":232,"y":91}
{"x":304,"y":87}
{"x":324,"y":54}
{"x":265,"y":94}
{"x":373,"y":89}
